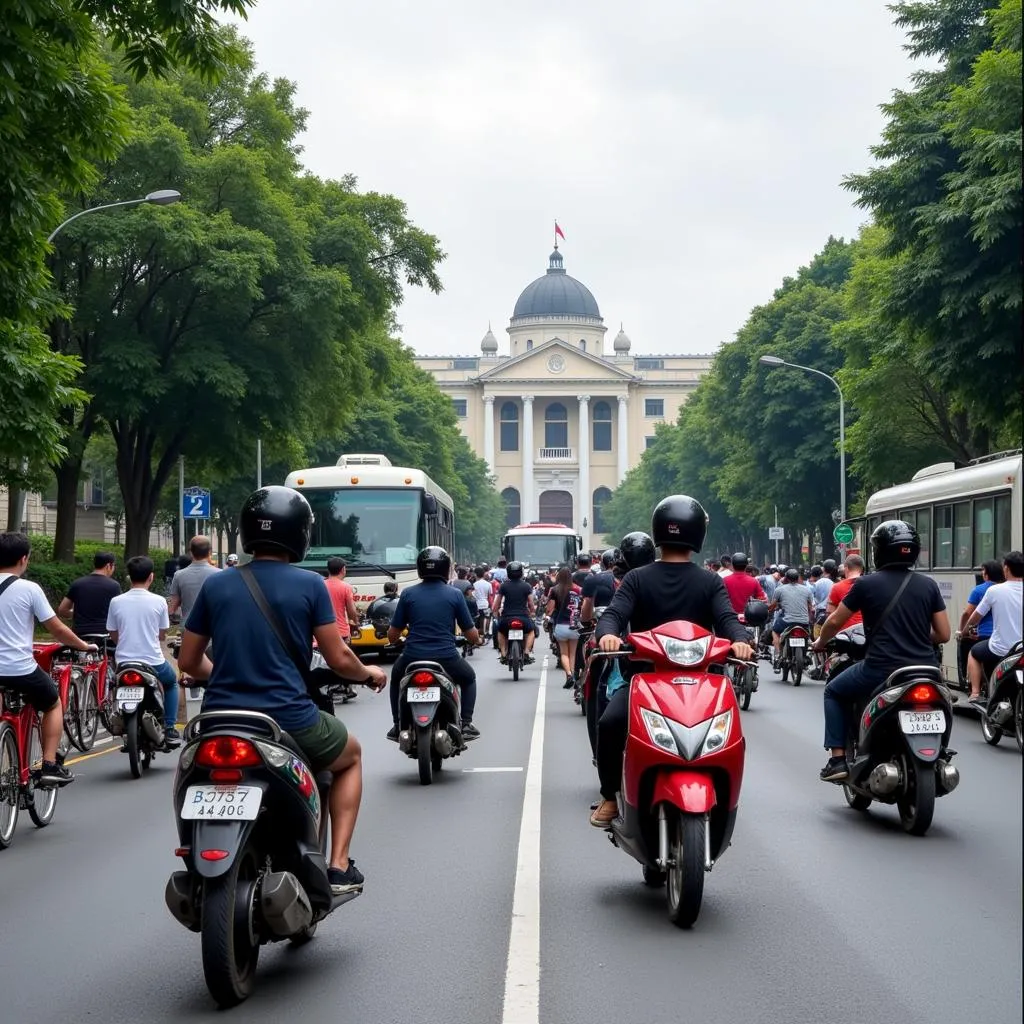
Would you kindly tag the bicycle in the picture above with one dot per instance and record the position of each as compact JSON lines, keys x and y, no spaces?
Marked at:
{"x":57,"y":662}
{"x":89,"y":676}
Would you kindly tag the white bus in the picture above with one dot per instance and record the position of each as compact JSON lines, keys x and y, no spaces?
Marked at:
{"x":964,"y":516}
{"x":542,"y":545}
{"x":377,"y":517}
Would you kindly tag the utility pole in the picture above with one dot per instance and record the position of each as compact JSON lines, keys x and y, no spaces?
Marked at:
{"x":776,"y":539}
{"x":259,"y":463}
{"x":181,"y":504}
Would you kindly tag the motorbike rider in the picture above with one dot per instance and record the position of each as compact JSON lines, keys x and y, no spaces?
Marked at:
{"x":907,"y":635}
{"x":253,"y":670}
{"x":672,"y":589}
{"x":232,"y":561}
{"x":430,"y":611}
{"x":88,"y":598}
{"x":793,"y":605}
{"x":854,"y":566}
{"x":740,"y":586}
{"x":515,"y":601}
{"x":583,"y":564}
{"x":599,"y":587}
{"x":768,"y":581}
{"x":1004,"y":602}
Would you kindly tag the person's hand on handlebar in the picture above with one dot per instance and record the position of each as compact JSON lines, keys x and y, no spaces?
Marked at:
{"x":743,"y":651}
{"x":609,"y":643}
{"x":375,"y":678}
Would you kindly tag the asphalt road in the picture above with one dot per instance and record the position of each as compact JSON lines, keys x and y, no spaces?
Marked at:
{"x":816,"y":914}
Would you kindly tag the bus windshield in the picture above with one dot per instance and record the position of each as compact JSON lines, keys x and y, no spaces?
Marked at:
{"x":543,"y":549}
{"x":366,"y":525}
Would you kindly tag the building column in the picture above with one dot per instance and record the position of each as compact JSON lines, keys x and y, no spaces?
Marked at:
{"x":585,"y":499}
{"x":489,"y":432}
{"x":527,"y":505}
{"x":623,"y":446}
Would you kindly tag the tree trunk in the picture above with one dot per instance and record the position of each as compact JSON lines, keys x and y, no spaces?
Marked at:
{"x":69,"y":475}
{"x":232,"y":540}
{"x":13,"y":509}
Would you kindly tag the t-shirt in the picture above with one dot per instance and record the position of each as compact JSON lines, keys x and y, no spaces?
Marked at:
{"x":821,"y":591}
{"x":905,"y":636}
{"x":741,"y":588}
{"x":792,"y":599}
{"x":768,"y":585}
{"x":669,"y":592}
{"x":138,"y":616}
{"x":431,"y":610}
{"x":187,"y":583}
{"x":579,"y":577}
{"x":22,"y":604}
{"x":499,"y":573}
{"x":1004,"y":601}
{"x":514,"y":597}
{"x":482,"y":590}
{"x":985,"y":626}
{"x":340,"y":592}
{"x":253,"y":672}
{"x":565,"y":611}
{"x":91,"y":596}
{"x":838,"y":592}
{"x":600,"y":588}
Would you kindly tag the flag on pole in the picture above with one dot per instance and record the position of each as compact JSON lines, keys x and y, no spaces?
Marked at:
{"x":559,"y":233}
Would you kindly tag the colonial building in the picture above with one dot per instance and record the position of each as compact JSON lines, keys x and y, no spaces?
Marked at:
{"x":559,"y":419}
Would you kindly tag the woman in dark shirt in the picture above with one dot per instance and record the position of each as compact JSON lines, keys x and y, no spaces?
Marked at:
{"x":562,"y":602}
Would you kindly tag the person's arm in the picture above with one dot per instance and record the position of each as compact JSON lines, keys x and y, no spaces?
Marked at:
{"x":165,"y":623}
{"x":833,"y":624}
{"x":983,"y":608}
{"x":350,"y":610}
{"x":499,"y":602}
{"x":726,"y":621}
{"x":192,"y":658}
{"x":466,"y":623}
{"x":940,"y":627}
{"x":615,"y":620}
{"x":398,"y":620}
{"x":66,"y":608}
{"x":760,"y":595}
{"x":174,"y":596}
{"x":965,"y":615}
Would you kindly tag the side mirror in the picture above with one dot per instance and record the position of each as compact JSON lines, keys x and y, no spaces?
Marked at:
{"x":429,"y":504}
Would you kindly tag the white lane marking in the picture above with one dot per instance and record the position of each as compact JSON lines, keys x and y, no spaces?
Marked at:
{"x":522,"y":971}
{"x":479,"y":770}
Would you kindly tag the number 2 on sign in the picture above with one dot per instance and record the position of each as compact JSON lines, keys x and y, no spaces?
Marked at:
{"x":197,"y":505}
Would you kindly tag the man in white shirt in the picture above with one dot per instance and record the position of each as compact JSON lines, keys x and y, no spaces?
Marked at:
{"x":726,"y":569}
{"x":138,"y":624}
{"x":1004,"y":601}
{"x":22,"y":603}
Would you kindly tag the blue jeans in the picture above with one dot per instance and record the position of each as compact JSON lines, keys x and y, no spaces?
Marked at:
{"x":853,"y":684}
{"x":169,"y":681}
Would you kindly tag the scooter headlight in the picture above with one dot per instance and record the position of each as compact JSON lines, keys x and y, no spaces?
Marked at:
{"x":718,"y":733}
{"x":684,"y":652}
{"x":658,"y":730}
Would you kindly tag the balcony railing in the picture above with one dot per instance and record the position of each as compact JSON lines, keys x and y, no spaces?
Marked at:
{"x":556,"y":455}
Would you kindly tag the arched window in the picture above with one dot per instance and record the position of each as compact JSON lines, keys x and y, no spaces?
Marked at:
{"x":509,"y":416}
{"x":602,"y":427}
{"x":583,"y":344}
{"x":529,"y":344}
{"x":511,"y":498}
{"x":601,"y":496}
{"x":556,"y":507}
{"x":556,"y":426}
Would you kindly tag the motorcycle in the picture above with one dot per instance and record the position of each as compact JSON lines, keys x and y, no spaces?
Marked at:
{"x":1005,"y":701}
{"x":683,"y":762}
{"x":744,"y":678}
{"x":792,"y":656}
{"x":430,"y":717}
{"x":897,"y":747}
{"x":848,"y":646}
{"x":135,"y":710}
{"x":515,"y":656}
{"x":252,"y":822}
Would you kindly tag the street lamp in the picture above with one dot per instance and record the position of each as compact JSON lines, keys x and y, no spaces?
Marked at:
{"x":776,"y":361}
{"x":162,"y":197}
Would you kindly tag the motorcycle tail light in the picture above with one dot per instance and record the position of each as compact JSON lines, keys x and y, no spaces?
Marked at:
{"x":516,"y":624}
{"x":227,"y":752}
{"x":799,"y":633}
{"x":923,"y":693}
{"x":131,"y":678}
{"x":225,"y":775}
{"x":423,"y":678}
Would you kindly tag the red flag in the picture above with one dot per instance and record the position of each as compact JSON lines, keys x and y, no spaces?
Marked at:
{"x":559,"y":232}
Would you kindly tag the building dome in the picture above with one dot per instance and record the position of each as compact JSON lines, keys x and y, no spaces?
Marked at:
{"x":622,"y":342}
{"x":556,"y":294}
{"x":489,"y":343}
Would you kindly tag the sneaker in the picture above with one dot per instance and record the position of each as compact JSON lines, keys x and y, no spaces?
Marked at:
{"x":343,"y":882}
{"x":392,"y":734}
{"x":528,"y":659}
{"x":978,"y":700}
{"x":607,"y":811}
{"x":470,"y":731}
{"x":836,"y":770}
{"x":502,"y":660}
{"x":569,"y":683}
{"x":53,"y":776}
{"x":172,"y":734}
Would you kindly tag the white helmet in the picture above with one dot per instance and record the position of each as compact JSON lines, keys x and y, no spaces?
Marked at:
{"x":232,"y":559}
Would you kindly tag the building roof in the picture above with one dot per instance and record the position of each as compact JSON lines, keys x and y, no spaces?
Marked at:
{"x":556,"y":294}
{"x":489,"y":343}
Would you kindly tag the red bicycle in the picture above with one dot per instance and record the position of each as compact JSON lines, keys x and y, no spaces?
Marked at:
{"x":89,"y":676}
{"x":21,"y":758}
{"x":58,"y":662}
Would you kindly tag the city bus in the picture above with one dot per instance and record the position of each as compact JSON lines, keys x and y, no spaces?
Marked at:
{"x":964,"y":516}
{"x":377,"y":517}
{"x":542,"y":545}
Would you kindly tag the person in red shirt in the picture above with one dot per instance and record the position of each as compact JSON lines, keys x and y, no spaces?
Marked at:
{"x":342,"y":597}
{"x":854,"y":568}
{"x":740,"y":586}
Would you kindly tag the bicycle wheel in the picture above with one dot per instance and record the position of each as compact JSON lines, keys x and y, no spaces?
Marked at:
{"x":72,"y":704}
{"x":41,"y":803}
{"x":10,"y":797}
{"x":88,"y":715}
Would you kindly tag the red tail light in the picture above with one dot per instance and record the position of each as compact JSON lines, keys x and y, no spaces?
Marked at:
{"x":131,"y":678}
{"x":227,"y":752}
{"x":515,"y":624}
{"x":923,"y":693}
{"x":799,"y":633}
{"x":225,"y":775}
{"x":214,"y":854}
{"x":423,"y":678}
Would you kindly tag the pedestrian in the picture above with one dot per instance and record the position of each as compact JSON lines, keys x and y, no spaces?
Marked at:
{"x":189,"y":581}
{"x":88,"y":598}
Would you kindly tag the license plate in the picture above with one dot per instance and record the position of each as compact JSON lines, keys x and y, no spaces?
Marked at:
{"x":423,"y":695}
{"x":797,"y":641}
{"x":131,"y":692}
{"x":221,"y":803}
{"x":923,"y":721}
{"x":515,"y":634}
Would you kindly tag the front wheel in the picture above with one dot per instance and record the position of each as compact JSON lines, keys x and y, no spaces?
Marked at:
{"x":685,"y":877}
{"x":89,"y":716}
{"x":424,"y":758}
{"x":798,"y":666}
{"x":917,"y":803}
{"x":229,"y":943}
{"x":41,"y":803}
{"x":991,"y":733}
{"x":131,"y":742}
{"x":10,"y":788}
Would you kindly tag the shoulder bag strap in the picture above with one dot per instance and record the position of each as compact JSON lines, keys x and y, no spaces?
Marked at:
{"x":268,"y":613}
{"x":888,"y":608}
{"x":8,"y":582}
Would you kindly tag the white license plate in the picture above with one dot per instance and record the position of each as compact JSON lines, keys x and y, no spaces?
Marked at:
{"x":423,"y":695}
{"x":923,"y":721}
{"x":131,"y":692}
{"x":797,"y":641}
{"x":515,"y":634}
{"x":221,"y":803}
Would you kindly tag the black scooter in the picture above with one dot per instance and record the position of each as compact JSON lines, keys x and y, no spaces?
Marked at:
{"x":793,"y":651}
{"x":1005,"y":705}
{"x":135,"y":710}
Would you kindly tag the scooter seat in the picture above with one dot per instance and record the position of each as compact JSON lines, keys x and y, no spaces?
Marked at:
{"x":138,"y":666}
{"x":425,"y":666}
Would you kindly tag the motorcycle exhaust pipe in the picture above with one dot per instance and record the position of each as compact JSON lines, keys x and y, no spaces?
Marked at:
{"x":116,"y":720}
{"x":406,"y":741}
{"x":948,"y":777}
{"x":152,"y":728}
{"x":443,"y":743}
{"x":285,"y":906}
{"x":180,"y":897}
{"x":1002,"y":714}
{"x":884,"y":779}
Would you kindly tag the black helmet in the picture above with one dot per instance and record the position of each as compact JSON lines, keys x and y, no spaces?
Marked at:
{"x":679,"y":521}
{"x":515,"y":570}
{"x":773,"y":568}
{"x":276,"y":517}
{"x":740,"y":562}
{"x":829,"y":566}
{"x":636,"y":549}
{"x":583,"y":559}
{"x":781,"y":568}
{"x":433,"y":563}
{"x":895,"y":542}
{"x":610,"y":557}
{"x":792,"y":575}
{"x":755,"y":612}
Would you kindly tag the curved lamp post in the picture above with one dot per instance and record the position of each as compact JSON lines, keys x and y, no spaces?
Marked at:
{"x":162,"y":197}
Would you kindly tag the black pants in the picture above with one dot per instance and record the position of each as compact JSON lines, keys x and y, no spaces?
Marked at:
{"x":611,"y":742}
{"x":458,"y":670}
{"x":598,"y":699}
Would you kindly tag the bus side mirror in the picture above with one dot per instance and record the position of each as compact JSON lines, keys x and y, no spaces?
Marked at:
{"x":429,"y":504}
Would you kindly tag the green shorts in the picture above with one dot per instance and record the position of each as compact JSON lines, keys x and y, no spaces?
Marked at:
{"x":323,"y":742}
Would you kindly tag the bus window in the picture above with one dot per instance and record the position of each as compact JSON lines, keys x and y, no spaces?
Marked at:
{"x":1003,"y":513}
{"x":962,"y":533}
{"x":924,"y":529}
{"x":984,"y":530}
{"x":943,"y":536}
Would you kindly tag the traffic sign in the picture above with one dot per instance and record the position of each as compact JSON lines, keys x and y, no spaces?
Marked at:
{"x":776,"y":533}
{"x":843,"y":533}
{"x":196,"y":504}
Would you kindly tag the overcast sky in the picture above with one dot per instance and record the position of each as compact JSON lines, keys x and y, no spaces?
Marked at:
{"x":692,"y":150}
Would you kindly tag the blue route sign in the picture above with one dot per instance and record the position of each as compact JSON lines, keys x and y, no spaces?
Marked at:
{"x":196,"y":503}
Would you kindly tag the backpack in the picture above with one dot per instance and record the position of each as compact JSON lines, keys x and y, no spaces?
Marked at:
{"x":574,"y":600}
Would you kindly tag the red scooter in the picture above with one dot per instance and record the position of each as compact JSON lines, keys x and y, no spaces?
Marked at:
{"x":683,"y":762}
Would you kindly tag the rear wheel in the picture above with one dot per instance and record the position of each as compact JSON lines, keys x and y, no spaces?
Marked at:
{"x":131,"y":741}
{"x":685,"y":889}
{"x":424,"y":756}
{"x":10,"y":789}
{"x":69,"y":737}
{"x":798,"y":666}
{"x":89,"y":716}
{"x":917,"y":803}
{"x":515,"y":659}
{"x":992,"y":734}
{"x":229,"y":943}
{"x":41,"y":803}
{"x":746,"y":686}
{"x":856,"y":800}
{"x":1018,"y":710}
